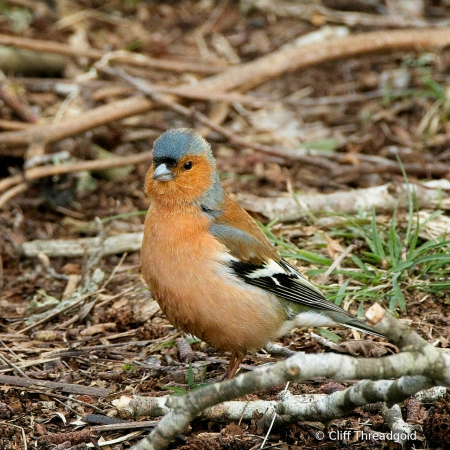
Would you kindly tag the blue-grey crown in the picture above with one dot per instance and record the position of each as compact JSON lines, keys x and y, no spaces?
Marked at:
{"x":180,"y":142}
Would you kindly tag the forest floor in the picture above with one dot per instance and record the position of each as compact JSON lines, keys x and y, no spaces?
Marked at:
{"x":347,"y":124}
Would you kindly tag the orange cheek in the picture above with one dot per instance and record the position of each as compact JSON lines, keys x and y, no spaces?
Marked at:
{"x":194,"y":184}
{"x":186,"y":187}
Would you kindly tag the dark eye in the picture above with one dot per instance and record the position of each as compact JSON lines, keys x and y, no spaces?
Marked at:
{"x":188,"y":165}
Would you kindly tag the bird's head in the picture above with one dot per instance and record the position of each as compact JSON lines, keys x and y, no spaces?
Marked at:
{"x":183,"y":170}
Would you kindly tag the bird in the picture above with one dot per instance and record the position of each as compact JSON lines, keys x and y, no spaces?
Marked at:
{"x":211,"y":268}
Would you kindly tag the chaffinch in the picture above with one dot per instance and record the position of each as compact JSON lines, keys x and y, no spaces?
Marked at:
{"x":211,"y":268}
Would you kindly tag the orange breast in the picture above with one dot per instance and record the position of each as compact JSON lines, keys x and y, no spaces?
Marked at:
{"x":181,"y":264}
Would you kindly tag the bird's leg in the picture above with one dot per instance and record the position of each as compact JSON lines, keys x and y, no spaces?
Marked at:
{"x":235,"y":362}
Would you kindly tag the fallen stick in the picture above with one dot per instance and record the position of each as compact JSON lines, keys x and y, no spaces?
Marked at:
{"x":309,"y":10}
{"x":195,"y":94}
{"x":71,"y":248}
{"x":125,"y":426}
{"x":300,"y":405}
{"x":95,"y":117}
{"x":8,"y":195}
{"x":13,"y":125}
{"x":29,"y":363}
{"x":98,"y":164}
{"x":395,"y":422}
{"x":418,"y":366}
{"x":28,"y":62}
{"x":12,"y":366}
{"x":9,"y":337}
{"x":385,"y":197}
{"x":64,"y":387}
{"x":232,"y":97}
{"x":120,"y":56}
{"x":248,"y":75}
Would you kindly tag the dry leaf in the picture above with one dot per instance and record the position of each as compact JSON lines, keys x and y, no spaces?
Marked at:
{"x":369,"y":349}
{"x":99,"y":328}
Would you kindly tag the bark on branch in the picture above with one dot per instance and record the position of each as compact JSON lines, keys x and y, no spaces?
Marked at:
{"x":72,"y":248}
{"x":387,"y":197}
{"x":418,"y":365}
{"x":121,"y":56}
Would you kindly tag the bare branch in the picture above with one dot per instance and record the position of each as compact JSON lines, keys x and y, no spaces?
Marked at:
{"x":418,"y":366}
{"x":127,"y":242}
{"x":387,"y":197}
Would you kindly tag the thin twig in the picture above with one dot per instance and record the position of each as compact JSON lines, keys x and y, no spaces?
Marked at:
{"x":125,"y":426}
{"x":126,"y":242}
{"x":8,"y":195}
{"x":58,"y":312}
{"x":116,"y":268}
{"x":95,"y":117}
{"x":9,"y":424}
{"x":48,"y":171}
{"x":307,"y":10}
{"x":13,"y":366}
{"x":322,"y":279}
{"x":62,"y":397}
{"x":65,"y":387}
{"x":271,"y":423}
{"x":121,"y":56}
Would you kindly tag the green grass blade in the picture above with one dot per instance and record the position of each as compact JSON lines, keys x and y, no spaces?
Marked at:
{"x":305,"y":255}
{"x":434,"y":89}
{"x":398,"y":294}
{"x":361,"y":265}
{"x":327,"y":334}
{"x":341,"y":293}
{"x":378,"y":246}
{"x":394,"y":244}
{"x":371,"y":258}
{"x":412,"y":201}
{"x":361,"y":309}
{"x":190,"y":375}
{"x":414,"y":238}
{"x":405,"y":265}
{"x":430,"y":246}
{"x":444,"y":257}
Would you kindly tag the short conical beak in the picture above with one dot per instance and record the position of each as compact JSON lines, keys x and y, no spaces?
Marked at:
{"x":162,"y":173}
